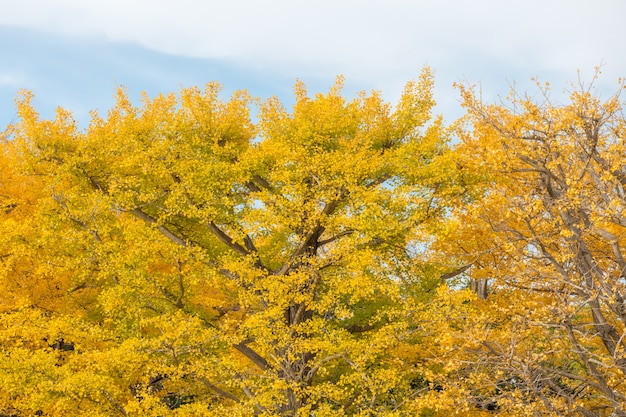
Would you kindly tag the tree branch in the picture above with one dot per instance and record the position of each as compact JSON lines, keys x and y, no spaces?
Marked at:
{"x":311,"y":373}
{"x":81,"y":223}
{"x":456,"y":272}
{"x":218,"y":390}
{"x":114,"y":403}
{"x":224,"y":238}
{"x":249,"y":353}
{"x":336,"y":237}
{"x":168,"y":233}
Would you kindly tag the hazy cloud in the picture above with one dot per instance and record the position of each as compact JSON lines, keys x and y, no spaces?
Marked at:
{"x":374,"y":43}
{"x":359,"y":36}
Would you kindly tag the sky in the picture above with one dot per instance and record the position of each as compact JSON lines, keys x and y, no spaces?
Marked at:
{"x":75,"y":53}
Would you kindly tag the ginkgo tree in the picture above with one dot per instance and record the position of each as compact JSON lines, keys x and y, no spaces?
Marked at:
{"x":181,"y":258}
{"x":178,"y":258}
{"x":548,"y":336}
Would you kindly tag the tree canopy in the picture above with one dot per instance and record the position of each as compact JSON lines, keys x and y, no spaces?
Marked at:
{"x":342,"y":257}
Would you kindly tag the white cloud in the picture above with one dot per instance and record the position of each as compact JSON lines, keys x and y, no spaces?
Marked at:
{"x":353,"y":34}
{"x":379,"y":43}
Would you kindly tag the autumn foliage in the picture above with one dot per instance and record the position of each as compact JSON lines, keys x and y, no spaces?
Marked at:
{"x":343,"y":257}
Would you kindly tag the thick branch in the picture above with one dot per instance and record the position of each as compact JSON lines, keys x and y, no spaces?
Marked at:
{"x":149,"y":219}
{"x":378,"y":181}
{"x":248,"y":250}
{"x":178,"y":240}
{"x":249,"y":353}
{"x":336,"y":237}
{"x":311,"y":239}
{"x":456,"y":272}
{"x":614,"y":242}
{"x":218,"y":390}
{"x":372,"y":243}
{"x":262,"y":182}
{"x":224,"y":238}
